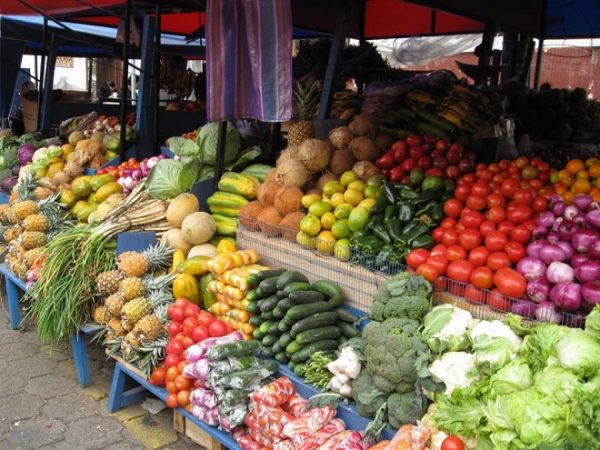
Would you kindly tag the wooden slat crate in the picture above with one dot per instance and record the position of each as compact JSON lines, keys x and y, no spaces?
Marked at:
{"x":186,"y":427}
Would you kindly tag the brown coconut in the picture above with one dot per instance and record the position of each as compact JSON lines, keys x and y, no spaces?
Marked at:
{"x":340,"y":137}
{"x":249,"y":215}
{"x":365,"y":170}
{"x":313,"y":191}
{"x":384,"y":142}
{"x":290,"y":225}
{"x":364,"y":125}
{"x":292,"y":173}
{"x":324,"y":179}
{"x":341,"y":161}
{"x":288,"y":199}
{"x":364,"y":149}
{"x":266,"y":193}
{"x":315,"y":154}
{"x":271,"y":175}
{"x":268,"y":221}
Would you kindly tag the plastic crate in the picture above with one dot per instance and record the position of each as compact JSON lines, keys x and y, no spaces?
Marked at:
{"x":135,"y":241}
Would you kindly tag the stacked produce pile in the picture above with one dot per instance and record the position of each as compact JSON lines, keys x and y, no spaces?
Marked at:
{"x":105,"y":130}
{"x":90,"y":198}
{"x":129,"y":173}
{"x":577,"y":178}
{"x":14,"y":154}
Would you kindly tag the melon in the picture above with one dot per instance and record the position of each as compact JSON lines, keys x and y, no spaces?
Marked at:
{"x":198,"y":228}
{"x":203,"y":250}
{"x":180,"y":207}
{"x":176,"y":240}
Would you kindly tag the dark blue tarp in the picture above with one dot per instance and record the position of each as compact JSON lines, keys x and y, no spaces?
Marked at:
{"x":572,"y":19}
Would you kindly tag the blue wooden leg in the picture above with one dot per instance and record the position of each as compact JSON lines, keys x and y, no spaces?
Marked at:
{"x":119,"y":397}
{"x":80,"y":359}
{"x":14,"y":310}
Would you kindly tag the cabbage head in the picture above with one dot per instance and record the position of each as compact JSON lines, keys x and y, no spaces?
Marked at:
{"x":207,"y":141}
{"x":579,"y":352}
{"x":169,"y":178}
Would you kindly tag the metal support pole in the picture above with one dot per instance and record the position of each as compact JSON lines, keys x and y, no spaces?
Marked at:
{"x":90,"y":64}
{"x":46,"y":94}
{"x":156,"y":79}
{"x":538,"y":64}
{"x":122,"y":143}
{"x":220,"y":162}
{"x":42,"y":68}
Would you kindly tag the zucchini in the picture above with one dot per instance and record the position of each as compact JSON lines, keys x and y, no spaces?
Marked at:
{"x":268,"y":340}
{"x":317,"y":320}
{"x":254,"y":279}
{"x":252,"y":307}
{"x":301,"y":297}
{"x":293,"y":347}
{"x":347,"y":316}
{"x":280,"y":294}
{"x":318,"y":334}
{"x":296,"y":286}
{"x":267,"y":287}
{"x":264,"y":328}
{"x":282,"y":357}
{"x":274,"y":330}
{"x":278,"y":313}
{"x":289,"y":276}
{"x":267,"y":316}
{"x":348,"y":330}
{"x":298,"y":312}
{"x":276,"y":348}
{"x":331,"y":290}
{"x":284,"y":340}
{"x":252,"y":295}
{"x":268,"y":304}
{"x":256,"y":334}
{"x":256,"y":321}
{"x":285,"y":303}
{"x":283,"y":326}
{"x":298,"y":369}
{"x":319,"y":346}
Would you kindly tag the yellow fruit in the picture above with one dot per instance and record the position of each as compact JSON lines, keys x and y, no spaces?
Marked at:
{"x":310,"y":224}
{"x":84,"y":213}
{"x":372,"y":192}
{"x":225,"y":246}
{"x":309,"y":199}
{"x":98,"y":181}
{"x":54,"y":169}
{"x":331,"y":187}
{"x":186,"y":286}
{"x":92,"y":199}
{"x":77,"y":207}
{"x":67,"y":198}
{"x":325,"y":242}
{"x":359,"y":185}
{"x":67,"y":149}
{"x":337,"y":199}
{"x":81,"y":187}
{"x":327,"y":220}
{"x":367,"y":203}
{"x":178,"y":258}
{"x":320,"y":208}
{"x":305,"y":240}
{"x":353,"y":196}
{"x":348,"y":177}
{"x":40,"y":173}
{"x":107,"y":190}
{"x":343,"y":211}
{"x":341,"y":250}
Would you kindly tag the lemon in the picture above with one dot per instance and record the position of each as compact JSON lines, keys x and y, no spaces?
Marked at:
{"x":359,"y":185}
{"x":309,"y":199}
{"x":325,"y":242}
{"x":343,"y":211}
{"x":367,"y":203}
{"x":305,"y":240}
{"x":337,"y":199}
{"x":310,"y":224}
{"x":319,"y":208}
{"x":340,"y":229}
{"x":341,"y":250}
{"x":331,"y":187}
{"x":348,"y":177}
{"x":327,"y":220}
{"x":353,"y":196}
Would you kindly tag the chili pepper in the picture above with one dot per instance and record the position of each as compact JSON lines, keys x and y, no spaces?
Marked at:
{"x":427,"y":196}
{"x":389,"y":192}
{"x":423,"y":241}
{"x":406,"y":212}
{"x":385,"y":254}
{"x":389,"y":213}
{"x":408,"y":195}
{"x":379,"y":205}
{"x":419,"y":229}
{"x":359,"y":234}
{"x":394,"y":229}
{"x":373,"y":221}
{"x":368,"y":244}
{"x":380,"y":232}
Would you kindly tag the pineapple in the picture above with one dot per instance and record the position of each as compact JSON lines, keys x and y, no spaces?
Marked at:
{"x":3,"y":210}
{"x":130,"y":344}
{"x":36,"y":222}
{"x":131,"y":287}
{"x":114,"y":303}
{"x":12,"y":233}
{"x":31,"y":256}
{"x":101,"y":315}
{"x":115,"y":328}
{"x":136,"y":264}
{"x":147,"y":328}
{"x":108,"y":282}
{"x":25,"y":209}
{"x":10,"y":216}
{"x":305,"y":103}
{"x":133,"y":311}
{"x":33,"y":239}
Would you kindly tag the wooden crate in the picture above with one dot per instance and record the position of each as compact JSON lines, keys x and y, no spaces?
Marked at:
{"x":183,"y":425}
{"x":129,"y":366}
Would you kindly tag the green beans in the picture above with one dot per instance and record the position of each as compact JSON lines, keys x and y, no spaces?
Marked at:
{"x":315,"y":370}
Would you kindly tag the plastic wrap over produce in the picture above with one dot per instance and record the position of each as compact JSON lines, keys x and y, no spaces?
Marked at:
{"x":346,"y":440}
{"x":199,"y":350}
{"x":310,"y":441}
{"x":232,"y":364}
{"x":198,"y":370}
{"x":274,"y":394}
{"x":208,"y":415}
{"x":309,"y":422}
{"x":232,"y":417}
{"x":204,"y":397}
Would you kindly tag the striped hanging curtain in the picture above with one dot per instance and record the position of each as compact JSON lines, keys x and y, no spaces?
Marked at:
{"x":249,"y":60}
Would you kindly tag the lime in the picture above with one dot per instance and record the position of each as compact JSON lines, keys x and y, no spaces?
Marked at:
{"x":340,"y":229}
{"x":353,"y":196}
{"x":348,"y":177}
{"x":310,"y":224}
{"x":309,"y":199}
{"x":337,"y":199}
{"x":305,"y":240}
{"x":319,"y":208}
{"x":375,"y":180}
{"x":331,"y":187}
{"x":343,"y":211}
{"x":327,"y":220}
{"x":341,"y":250}
{"x":357,"y":220}
{"x":372,"y":191}
{"x":359,"y":185}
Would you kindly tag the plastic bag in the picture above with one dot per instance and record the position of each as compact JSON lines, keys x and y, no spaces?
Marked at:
{"x":237,"y":348}
{"x":207,"y":415}
{"x":311,"y":441}
{"x":284,"y":445}
{"x":243,"y":378}
{"x":309,"y":421}
{"x":231,"y":418}
{"x":233,"y":364}
{"x":198,"y":370}
{"x":246,"y":442}
{"x":265,"y":424}
{"x":296,"y":405}
{"x":346,"y":440}
{"x":204,"y":397}
{"x":197,"y":351}
{"x":274,"y":394}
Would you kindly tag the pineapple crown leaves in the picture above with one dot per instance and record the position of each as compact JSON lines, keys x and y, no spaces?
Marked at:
{"x":159,"y":256}
{"x":160,"y":311}
{"x":305,"y":100}
{"x":150,"y":354}
{"x":159,"y":298}
{"x":113,"y":346}
{"x":26,"y":186}
{"x":158,"y":283}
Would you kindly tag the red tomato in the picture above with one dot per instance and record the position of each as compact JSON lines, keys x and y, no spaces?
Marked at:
{"x":486,"y":227}
{"x":174,"y":328}
{"x":536,"y":183}
{"x":471,"y":219}
{"x":158,"y":375}
{"x":448,"y":222}
{"x":482,"y":277}
{"x":440,"y":262}
{"x":520,"y":234}
{"x":469,"y":178}
{"x":171,"y":388}
{"x":522,"y":197}
{"x":462,"y":192}
{"x":506,"y":227}
{"x":460,"y":271}
{"x":480,"y":188}
{"x":427,"y":271}
{"x":530,"y":224}
{"x":217,"y":328}
{"x":509,"y":187}
{"x":450,"y":237}
{"x":497,"y":301}
{"x":190,"y":323}
{"x":469,"y":239}
{"x":495,"y":214}
{"x":438,"y":234}
{"x":478,"y":256}
{"x":495,"y":241}
{"x":540,"y":204}
{"x":486,"y":175}
{"x":205,"y":318}
{"x":515,"y":251}
{"x":182,"y":383}
{"x":199,"y":333}
{"x":520,"y":214}
{"x":455,"y":253}
{"x":172,"y":401}
{"x":174,"y":347}
{"x":476,"y":202}
{"x":183,"y":398}
{"x":452,"y":208}
{"x":474,"y":294}
{"x":175,"y":313}
{"x":191,"y":310}
{"x":171,"y":360}
{"x":417,"y":257}
{"x":187,"y":341}
{"x":439,"y":249}
{"x":497,"y":261}
{"x":459,"y":227}
{"x":495,"y":200}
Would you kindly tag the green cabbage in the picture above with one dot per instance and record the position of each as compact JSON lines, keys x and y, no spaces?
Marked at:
{"x":556,"y":383}
{"x":514,"y":376}
{"x":207,"y":141}
{"x":579,"y":352}
{"x":592,"y":322}
{"x":169,"y":178}
{"x":183,"y":147}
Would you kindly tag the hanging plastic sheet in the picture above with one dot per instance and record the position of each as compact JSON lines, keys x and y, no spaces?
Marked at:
{"x":11,"y":53}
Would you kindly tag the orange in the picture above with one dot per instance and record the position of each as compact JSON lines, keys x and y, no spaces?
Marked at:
{"x":592,"y":162}
{"x":582,"y":175}
{"x":569,"y":180}
{"x":581,"y":187}
{"x":559,"y":188}
{"x":574,"y":166}
{"x":596,"y":196}
{"x":568,"y":197}
{"x":562,"y":174}
{"x":594,"y":171}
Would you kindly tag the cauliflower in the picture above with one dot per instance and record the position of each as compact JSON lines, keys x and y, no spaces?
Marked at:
{"x":494,"y":343}
{"x":445,"y":328}
{"x":453,"y":369}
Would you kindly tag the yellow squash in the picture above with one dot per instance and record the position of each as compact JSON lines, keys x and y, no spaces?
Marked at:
{"x":186,"y":286}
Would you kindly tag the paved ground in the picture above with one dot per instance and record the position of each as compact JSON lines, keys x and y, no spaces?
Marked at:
{"x":43,"y":407}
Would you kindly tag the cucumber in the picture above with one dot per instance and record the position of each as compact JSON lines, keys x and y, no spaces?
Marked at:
{"x":256,"y":334}
{"x":293,"y":347}
{"x":331,"y":290}
{"x":296,"y":286}
{"x":284,"y":340}
{"x":268,"y":316}
{"x":347,"y":316}
{"x":317,"y":320}
{"x":252,"y":307}
{"x":267,"y":352}
{"x":280,"y":294}
{"x":276,"y":348}
{"x":291,"y":365}
{"x":268,"y":304}
{"x":278,"y":313}
{"x":252,"y":295}
{"x":285,"y":304}
{"x":267,"y":287}
{"x":268,"y":340}
{"x":348,"y":330}
{"x":289,"y":276}
{"x":298,"y":312}
{"x":264,"y":328}
{"x":302,"y":297}
{"x":274,"y":330}
{"x":282,"y":357}
{"x":283,"y":326}
{"x":342,"y":340}
{"x":254,"y":279}
{"x":256,"y":321}
{"x":299,"y":370}
{"x":318,"y":334}
{"x":319,"y":346}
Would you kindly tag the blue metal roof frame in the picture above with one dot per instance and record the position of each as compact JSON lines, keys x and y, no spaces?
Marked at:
{"x":570,"y":19}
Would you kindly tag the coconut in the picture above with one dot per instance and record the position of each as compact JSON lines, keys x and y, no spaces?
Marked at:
{"x":384,"y":142}
{"x":364,"y":149}
{"x":348,"y":114}
{"x":284,"y":157}
{"x":60,"y":177}
{"x":268,"y":221}
{"x":324,"y":179}
{"x":290,"y":225}
{"x":266,"y":193}
{"x":271,"y":175}
{"x":314,"y":154}
{"x":249,"y":214}
{"x":288,"y":199}
{"x":292,"y":173}
{"x":364,"y":125}
{"x":341,"y":161}
{"x":365,"y":170}
{"x":340,"y":137}
{"x":73,"y":169}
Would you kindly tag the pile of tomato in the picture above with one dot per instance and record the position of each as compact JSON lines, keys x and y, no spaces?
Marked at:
{"x":120,"y":170}
{"x":487,"y":226}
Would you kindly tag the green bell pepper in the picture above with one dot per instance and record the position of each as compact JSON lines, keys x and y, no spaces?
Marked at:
{"x":394,"y":229}
{"x":389,"y":192}
{"x":380,"y":232}
{"x":375,"y":220}
{"x":389,"y":213}
{"x":406,"y":212}
{"x":416,"y":229}
{"x":380,"y":204}
{"x":408,"y":195}
{"x":423,"y":241}
{"x":427,"y":196}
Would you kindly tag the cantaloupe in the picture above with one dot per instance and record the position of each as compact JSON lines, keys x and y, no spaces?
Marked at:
{"x":198,"y":228}
{"x":176,"y":240}
{"x":203,"y":250}
{"x":180,"y":207}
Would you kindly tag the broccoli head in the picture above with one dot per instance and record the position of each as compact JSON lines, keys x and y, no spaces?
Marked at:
{"x":367,"y":397}
{"x":391,"y":349}
{"x":405,"y":408}
{"x":404,"y":295}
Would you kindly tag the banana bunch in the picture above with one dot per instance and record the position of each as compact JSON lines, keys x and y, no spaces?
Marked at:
{"x":345,"y":105}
